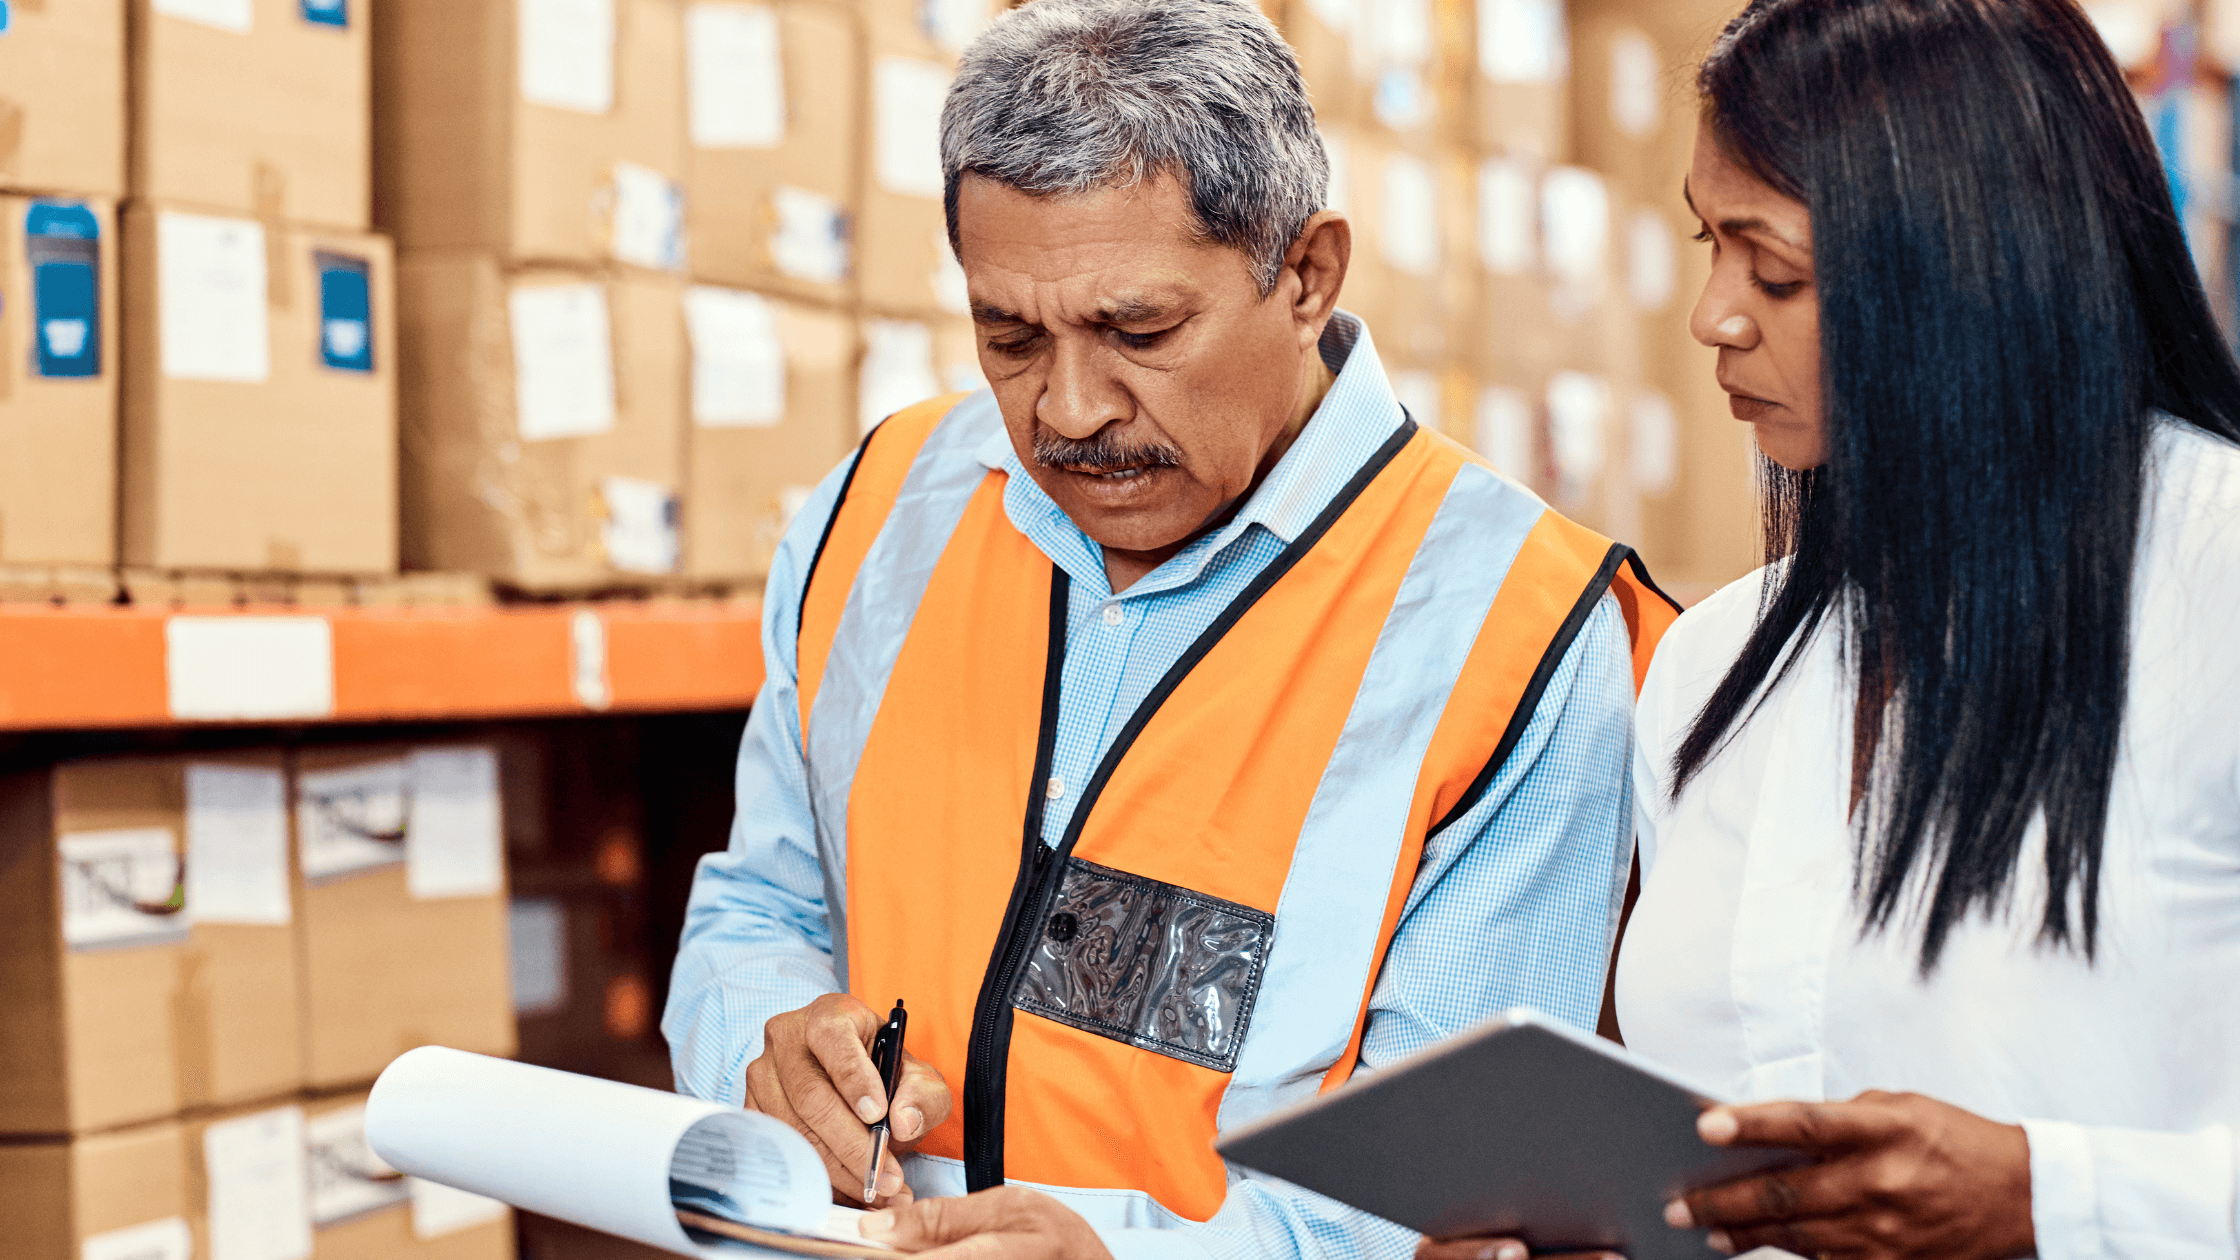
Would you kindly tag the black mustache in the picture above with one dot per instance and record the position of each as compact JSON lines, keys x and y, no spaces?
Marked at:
{"x":1102,"y":454}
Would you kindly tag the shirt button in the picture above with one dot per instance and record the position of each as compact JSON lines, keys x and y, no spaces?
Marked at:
{"x":1113,"y":616}
{"x":1057,"y":787}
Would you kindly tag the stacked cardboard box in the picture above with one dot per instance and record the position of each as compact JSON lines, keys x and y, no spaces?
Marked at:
{"x":188,"y":955}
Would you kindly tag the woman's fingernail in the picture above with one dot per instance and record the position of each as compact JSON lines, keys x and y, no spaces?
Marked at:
{"x":877,"y":1225}
{"x":1717,"y":1126}
{"x":868,"y":1108}
{"x":1720,"y":1242}
{"x":1510,"y":1250}
{"x":909,"y":1124}
{"x":1676,"y":1215}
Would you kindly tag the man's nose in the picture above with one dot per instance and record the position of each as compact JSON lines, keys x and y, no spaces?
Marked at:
{"x":1079,"y":397}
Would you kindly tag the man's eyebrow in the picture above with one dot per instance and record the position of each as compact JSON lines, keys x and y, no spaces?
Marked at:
{"x":984,"y":313}
{"x":1134,"y":311}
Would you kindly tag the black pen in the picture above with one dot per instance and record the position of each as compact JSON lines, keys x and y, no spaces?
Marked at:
{"x":886,"y":1058}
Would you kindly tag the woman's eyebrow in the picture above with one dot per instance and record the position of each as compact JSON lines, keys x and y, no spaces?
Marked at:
{"x":1744,"y":225}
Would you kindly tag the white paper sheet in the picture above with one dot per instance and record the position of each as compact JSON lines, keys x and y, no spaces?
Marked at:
{"x":260,"y":1187}
{"x":1505,"y":430}
{"x":1575,"y":225}
{"x":736,"y":86}
{"x":738,"y":359}
{"x":587,"y":659}
{"x":897,"y":369}
{"x":341,"y":815}
{"x":104,"y":873}
{"x":811,"y":239}
{"x":1656,"y":442}
{"x":210,"y":284}
{"x":640,"y":529}
{"x":237,"y":844}
{"x":345,"y":1173}
{"x":596,"y":1153}
{"x":230,"y":15}
{"x":1508,"y":216}
{"x":563,"y":361}
{"x":537,"y":944}
{"x":906,"y":100}
{"x":454,"y":840}
{"x":1653,"y":261}
{"x":954,"y":24}
{"x":1418,"y":392}
{"x":648,"y":219}
{"x":567,"y":54}
{"x":1577,"y":407}
{"x":1636,"y":84}
{"x":238,"y":669}
{"x":1523,"y":41}
{"x":438,"y":1209}
{"x":1411,"y":215}
{"x":166,"y":1239}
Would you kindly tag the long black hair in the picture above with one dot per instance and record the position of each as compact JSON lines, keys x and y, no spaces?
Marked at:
{"x":2005,"y":298}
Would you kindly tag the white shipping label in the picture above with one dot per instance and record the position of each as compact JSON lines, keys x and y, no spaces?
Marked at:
{"x":438,"y":1210}
{"x":648,"y":218}
{"x":352,"y":818}
{"x":1340,"y":192}
{"x":790,"y":502}
{"x":119,"y":887}
{"x":210,"y":278}
{"x":1577,"y":406}
{"x":640,"y":530}
{"x":811,"y":239}
{"x":1508,"y":217}
{"x":1398,"y":32}
{"x":231,"y":15}
{"x":167,"y":1239}
{"x":1656,"y":442}
{"x":1505,"y":430}
{"x":260,"y":1187}
{"x":563,"y":361}
{"x":954,"y":24}
{"x":1575,"y":224}
{"x":897,"y":369}
{"x":347,"y":1178}
{"x":1523,"y":41}
{"x":537,"y":943}
{"x":2131,"y":28}
{"x":1338,"y":15}
{"x":1636,"y":85}
{"x":1411,"y":215}
{"x":587,"y":659}
{"x":907,"y":96}
{"x":567,"y":54}
{"x":1653,"y":258}
{"x":738,"y":359}
{"x":951,"y":291}
{"x":454,"y":841}
{"x":1402,"y":100}
{"x":237,"y":844}
{"x":245,"y":669}
{"x":1418,"y":395}
{"x":735,"y":76}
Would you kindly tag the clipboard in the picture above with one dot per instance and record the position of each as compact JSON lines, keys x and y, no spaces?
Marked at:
{"x":1524,"y":1128}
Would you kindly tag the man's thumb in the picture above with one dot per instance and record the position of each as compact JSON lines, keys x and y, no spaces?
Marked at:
{"x":926,"y":1223}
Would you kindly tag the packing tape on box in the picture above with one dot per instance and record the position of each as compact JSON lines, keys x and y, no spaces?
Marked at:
{"x":272,"y":205}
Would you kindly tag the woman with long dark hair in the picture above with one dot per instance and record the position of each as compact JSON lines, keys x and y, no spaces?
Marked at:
{"x":1946,"y":799}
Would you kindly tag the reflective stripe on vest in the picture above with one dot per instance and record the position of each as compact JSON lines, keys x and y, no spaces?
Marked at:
{"x":1273,"y":795}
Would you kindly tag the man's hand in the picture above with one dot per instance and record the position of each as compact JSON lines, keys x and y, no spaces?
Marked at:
{"x":1006,"y":1223}
{"x":1898,"y":1175}
{"x":1497,"y":1249}
{"x":815,"y":1074}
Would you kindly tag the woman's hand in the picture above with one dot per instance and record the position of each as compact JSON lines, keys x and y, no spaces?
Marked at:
{"x":1496,"y":1249}
{"x":1897,"y":1175}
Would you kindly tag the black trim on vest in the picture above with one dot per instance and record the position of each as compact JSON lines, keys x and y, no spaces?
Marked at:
{"x":986,"y":1070}
{"x":840,"y":501}
{"x":1641,"y":575}
{"x":987,"y":1057}
{"x":1527,"y":703}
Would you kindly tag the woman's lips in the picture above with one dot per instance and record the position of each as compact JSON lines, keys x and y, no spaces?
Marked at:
{"x":1750,"y":410}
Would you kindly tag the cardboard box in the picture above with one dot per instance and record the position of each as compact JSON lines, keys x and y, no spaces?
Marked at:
{"x":62,"y":117}
{"x":359,"y":1213}
{"x":1409,"y":277}
{"x":757,"y":451}
{"x":545,"y":412}
{"x":515,"y":128}
{"x":119,"y":1011}
{"x":906,"y":361}
{"x":58,"y":380}
{"x":260,"y":396}
{"x":775,"y":120}
{"x":402,"y":923}
{"x":119,"y":1194}
{"x":254,"y":106}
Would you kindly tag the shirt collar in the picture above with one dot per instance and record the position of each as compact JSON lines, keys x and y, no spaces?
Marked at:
{"x":1354,"y":418}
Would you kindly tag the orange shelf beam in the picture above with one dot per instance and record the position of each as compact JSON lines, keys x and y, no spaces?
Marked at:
{"x":79,"y":668}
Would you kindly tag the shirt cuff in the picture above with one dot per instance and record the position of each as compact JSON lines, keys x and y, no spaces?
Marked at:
{"x":2063,"y":1210}
{"x":1153,"y":1244}
{"x":2100,"y":1192}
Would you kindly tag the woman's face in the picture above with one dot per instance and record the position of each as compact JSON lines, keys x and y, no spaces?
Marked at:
{"x":1760,"y":310}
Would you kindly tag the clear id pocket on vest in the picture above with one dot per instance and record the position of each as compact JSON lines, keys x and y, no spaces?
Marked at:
{"x":1157,"y":966}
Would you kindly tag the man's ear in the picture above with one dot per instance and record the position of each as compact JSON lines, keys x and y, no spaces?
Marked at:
{"x":1318,"y":257}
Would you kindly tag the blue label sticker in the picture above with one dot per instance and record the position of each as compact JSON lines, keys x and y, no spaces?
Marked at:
{"x":7,"y":17}
{"x":62,"y":242}
{"x":327,"y":12}
{"x":345,"y":312}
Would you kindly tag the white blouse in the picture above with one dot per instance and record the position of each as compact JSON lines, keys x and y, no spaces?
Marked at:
{"x":1746,"y":970}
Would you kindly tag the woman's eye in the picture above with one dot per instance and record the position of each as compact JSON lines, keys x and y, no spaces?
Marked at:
{"x":1777,"y":292}
{"x":1703,"y":234}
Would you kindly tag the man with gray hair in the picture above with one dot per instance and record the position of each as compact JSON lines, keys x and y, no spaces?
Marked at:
{"x":1174,"y":727}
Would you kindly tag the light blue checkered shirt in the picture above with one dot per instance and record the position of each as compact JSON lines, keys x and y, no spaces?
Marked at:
{"x":1511,"y":906}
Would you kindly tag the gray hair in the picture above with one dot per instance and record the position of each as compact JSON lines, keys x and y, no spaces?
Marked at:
{"x":1061,"y":97}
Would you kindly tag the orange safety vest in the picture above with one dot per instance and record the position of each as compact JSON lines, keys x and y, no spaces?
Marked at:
{"x":1202,"y":946}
